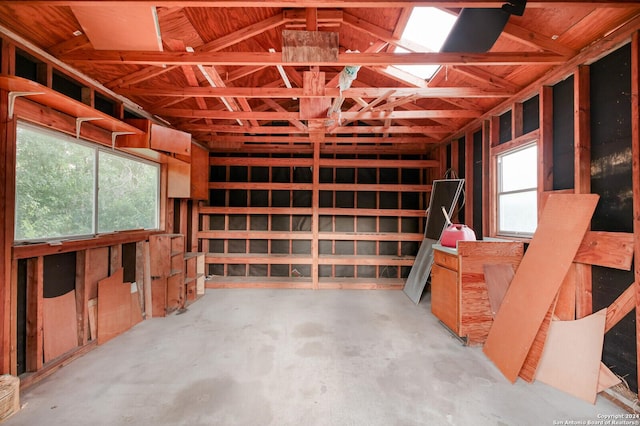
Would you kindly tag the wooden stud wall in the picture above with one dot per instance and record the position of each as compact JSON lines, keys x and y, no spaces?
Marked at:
{"x":338,"y":224}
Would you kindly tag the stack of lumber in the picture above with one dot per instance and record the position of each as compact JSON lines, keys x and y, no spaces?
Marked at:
{"x":536,"y":334}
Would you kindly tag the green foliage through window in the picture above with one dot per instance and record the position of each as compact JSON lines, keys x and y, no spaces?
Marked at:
{"x":56,"y":188}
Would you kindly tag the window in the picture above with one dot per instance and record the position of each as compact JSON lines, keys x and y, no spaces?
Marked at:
{"x":517,"y":191}
{"x":69,"y":188}
{"x":427,"y":28}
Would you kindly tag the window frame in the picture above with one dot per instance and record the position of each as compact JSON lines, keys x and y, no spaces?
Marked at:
{"x":97,"y":148}
{"x":531,"y":140}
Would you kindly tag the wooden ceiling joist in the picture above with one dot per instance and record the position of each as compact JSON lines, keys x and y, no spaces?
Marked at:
{"x":268,"y":58}
{"x":279,"y":92}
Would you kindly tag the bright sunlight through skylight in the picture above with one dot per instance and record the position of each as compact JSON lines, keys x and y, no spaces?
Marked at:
{"x":429,"y":28}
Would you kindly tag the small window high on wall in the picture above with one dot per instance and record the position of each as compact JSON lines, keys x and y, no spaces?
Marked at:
{"x":68,"y":188}
{"x":517,"y":191}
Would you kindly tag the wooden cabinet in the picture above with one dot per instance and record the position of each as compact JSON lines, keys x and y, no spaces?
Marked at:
{"x":156,"y":137}
{"x":458,"y":291}
{"x":167,"y":273}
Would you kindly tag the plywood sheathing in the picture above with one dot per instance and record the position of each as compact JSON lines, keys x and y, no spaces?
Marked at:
{"x":60,"y":327}
{"x":571,"y":358}
{"x":560,"y":231}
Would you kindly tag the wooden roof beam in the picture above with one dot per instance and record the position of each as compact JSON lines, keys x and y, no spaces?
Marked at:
{"x":279,"y":92}
{"x":268,"y":58}
{"x":280,"y":130}
{"x":281,"y":114}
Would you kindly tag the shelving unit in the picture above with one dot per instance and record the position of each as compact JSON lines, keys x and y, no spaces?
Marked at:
{"x":355,"y":223}
{"x":167,"y":273}
{"x":194,"y":275}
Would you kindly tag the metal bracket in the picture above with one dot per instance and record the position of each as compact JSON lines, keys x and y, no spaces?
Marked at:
{"x":81,"y":120}
{"x":116,"y":134}
{"x":14,"y":95}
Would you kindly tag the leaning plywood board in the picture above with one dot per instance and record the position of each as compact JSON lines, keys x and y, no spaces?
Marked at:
{"x":136,"y":311}
{"x":498,"y":276}
{"x":560,"y":231}
{"x":59,"y":324}
{"x":92,"y":308}
{"x":606,"y":378}
{"x":114,"y":307}
{"x":531,"y":362}
{"x":571,"y":358}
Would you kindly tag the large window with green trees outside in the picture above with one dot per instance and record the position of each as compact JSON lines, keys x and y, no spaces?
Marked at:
{"x":67,"y":187}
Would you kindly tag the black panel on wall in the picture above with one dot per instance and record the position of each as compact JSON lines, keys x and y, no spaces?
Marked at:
{"x":611,"y":178}
{"x":59,"y":274}
{"x":129,"y":262}
{"x":66,"y":86}
{"x":105,"y":105}
{"x":505,"y":127}
{"x":26,"y":67}
{"x":563,"y":135}
{"x":478,"y":175}
{"x":531,"y":114}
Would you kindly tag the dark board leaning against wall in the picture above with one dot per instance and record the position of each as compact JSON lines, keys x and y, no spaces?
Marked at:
{"x":611,"y":178}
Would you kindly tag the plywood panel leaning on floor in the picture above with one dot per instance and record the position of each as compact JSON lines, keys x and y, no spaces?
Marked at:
{"x":560,"y":231}
{"x":571,"y":357}
{"x":60,"y":328}
{"x":114,"y":307}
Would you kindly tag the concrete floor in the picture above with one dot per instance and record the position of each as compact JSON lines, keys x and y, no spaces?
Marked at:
{"x":294,"y":357}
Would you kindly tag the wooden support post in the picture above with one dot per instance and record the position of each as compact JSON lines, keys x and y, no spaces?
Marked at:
{"x":582,"y":178}
{"x":635,"y":149}
{"x":82,"y":299}
{"x":7,"y":206}
{"x":468,"y":176}
{"x":517,"y":121}
{"x":491,"y":138}
{"x":35,"y":279}
{"x":115,"y":258}
{"x":317,"y":137}
{"x":14,"y":319}
{"x":545,"y":145}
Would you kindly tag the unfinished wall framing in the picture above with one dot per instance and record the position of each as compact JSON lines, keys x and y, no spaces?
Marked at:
{"x":258,"y":229}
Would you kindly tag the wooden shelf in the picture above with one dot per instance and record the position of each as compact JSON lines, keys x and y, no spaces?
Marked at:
{"x":366,"y":260}
{"x":46,"y":96}
{"x":255,"y":235}
{"x":370,"y":236}
{"x":259,"y":258}
{"x":298,"y":211}
{"x":361,"y":283}
{"x":258,"y":282}
{"x":338,"y":211}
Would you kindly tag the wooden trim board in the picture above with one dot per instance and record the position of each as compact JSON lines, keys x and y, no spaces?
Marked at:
{"x":561,"y":228}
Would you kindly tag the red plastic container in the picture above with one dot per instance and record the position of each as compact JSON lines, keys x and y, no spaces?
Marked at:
{"x":456,"y":232}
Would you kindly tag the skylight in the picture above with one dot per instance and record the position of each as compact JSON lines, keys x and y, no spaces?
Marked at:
{"x":429,"y":28}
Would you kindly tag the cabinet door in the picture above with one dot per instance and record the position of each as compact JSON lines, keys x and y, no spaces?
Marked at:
{"x":444,"y":296}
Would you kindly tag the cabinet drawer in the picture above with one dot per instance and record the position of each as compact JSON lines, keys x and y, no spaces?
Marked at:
{"x":447,"y":260}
